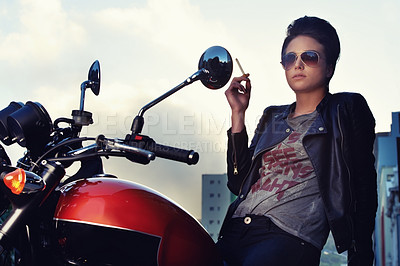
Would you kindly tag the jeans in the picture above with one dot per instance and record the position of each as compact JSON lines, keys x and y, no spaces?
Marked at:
{"x":256,"y":240}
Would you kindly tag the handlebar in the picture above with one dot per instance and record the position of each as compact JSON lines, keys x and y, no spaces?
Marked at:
{"x":147,"y":147}
{"x":140,"y":149}
{"x":185,"y":156}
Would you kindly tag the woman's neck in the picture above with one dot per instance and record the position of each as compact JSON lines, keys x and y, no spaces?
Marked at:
{"x":307,"y":102}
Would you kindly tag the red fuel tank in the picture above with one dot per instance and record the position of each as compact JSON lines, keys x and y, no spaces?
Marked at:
{"x":109,"y":221}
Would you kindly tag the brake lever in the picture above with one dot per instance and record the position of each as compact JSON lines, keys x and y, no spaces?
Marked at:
{"x":83,"y":150}
{"x":111,"y":144}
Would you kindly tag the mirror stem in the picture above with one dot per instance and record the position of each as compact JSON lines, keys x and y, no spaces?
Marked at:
{"x":138,"y":122}
{"x":83,"y":89}
{"x":196,"y":76}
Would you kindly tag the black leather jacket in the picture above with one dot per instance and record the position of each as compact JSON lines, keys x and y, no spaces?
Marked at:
{"x":340,"y":146}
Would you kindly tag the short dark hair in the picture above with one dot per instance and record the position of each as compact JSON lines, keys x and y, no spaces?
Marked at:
{"x":320,"y":30}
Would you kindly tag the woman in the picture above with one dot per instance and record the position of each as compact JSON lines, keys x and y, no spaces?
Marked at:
{"x":309,"y":169}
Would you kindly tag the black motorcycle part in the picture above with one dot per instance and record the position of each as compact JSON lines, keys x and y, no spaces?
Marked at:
{"x":176,"y":154}
{"x":167,"y":152}
{"x":218,"y":62}
{"x":5,"y":135}
{"x":31,"y":127}
{"x":82,"y":118}
{"x":89,"y":167}
{"x":90,"y":244}
{"x":4,"y":159}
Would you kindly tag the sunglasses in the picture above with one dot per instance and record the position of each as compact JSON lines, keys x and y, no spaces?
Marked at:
{"x":309,"y":58}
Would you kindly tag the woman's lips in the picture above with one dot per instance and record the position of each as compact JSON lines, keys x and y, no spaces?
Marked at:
{"x":299,"y":76}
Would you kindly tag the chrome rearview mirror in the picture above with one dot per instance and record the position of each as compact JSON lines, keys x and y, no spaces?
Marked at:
{"x":218,"y":62}
{"x":94,"y":77}
{"x":82,"y":117}
{"x":93,"y":83}
{"x":215,"y":70}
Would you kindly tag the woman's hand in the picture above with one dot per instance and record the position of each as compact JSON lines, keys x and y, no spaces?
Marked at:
{"x":238,"y":97}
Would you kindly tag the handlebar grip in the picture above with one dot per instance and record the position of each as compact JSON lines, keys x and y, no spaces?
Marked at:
{"x":167,"y":152}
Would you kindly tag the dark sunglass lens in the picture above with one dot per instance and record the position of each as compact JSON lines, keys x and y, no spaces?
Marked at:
{"x":288,"y":60}
{"x":310,"y":58}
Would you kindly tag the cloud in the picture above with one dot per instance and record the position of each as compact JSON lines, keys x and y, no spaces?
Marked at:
{"x":44,"y":32}
{"x":171,"y":26}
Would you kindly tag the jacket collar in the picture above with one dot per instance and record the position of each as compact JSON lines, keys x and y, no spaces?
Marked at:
{"x":286,"y":111}
{"x":324,"y":102}
{"x":320,"y":106}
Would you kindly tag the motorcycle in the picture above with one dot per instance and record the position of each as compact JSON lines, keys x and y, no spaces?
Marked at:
{"x":92,"y":217}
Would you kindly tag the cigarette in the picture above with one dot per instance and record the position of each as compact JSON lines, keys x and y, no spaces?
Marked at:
{"x":240,"y":66}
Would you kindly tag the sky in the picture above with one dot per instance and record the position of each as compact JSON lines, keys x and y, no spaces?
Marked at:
{"x":147,"y":47}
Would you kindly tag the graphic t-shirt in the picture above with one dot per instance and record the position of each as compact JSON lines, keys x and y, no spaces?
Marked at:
{"x":287,"y":191}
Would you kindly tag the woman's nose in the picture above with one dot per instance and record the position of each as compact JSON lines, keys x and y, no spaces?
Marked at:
{"x":298,"y":64}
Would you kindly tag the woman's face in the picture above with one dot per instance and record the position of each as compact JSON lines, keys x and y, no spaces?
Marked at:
{"x":302,"y":78}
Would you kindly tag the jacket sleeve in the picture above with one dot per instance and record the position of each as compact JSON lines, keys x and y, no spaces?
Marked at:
{"x":239,"y":155}
{"x":238,"y":159}
{"x":365,"y":181}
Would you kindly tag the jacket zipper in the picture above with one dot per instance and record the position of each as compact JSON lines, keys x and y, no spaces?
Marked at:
{"x":235,"y":168}
{"x":348,"y":172}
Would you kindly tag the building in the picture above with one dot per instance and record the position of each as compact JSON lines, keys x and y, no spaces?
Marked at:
{"x":215,"y":201}
{"x":387,"y":224}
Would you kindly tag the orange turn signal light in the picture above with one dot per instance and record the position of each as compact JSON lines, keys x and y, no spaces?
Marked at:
{"x":15,"y":180}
